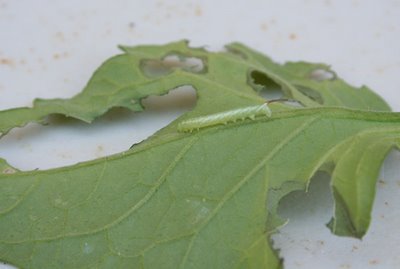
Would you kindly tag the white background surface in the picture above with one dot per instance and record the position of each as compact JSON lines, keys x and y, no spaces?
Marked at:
{"x":49,"y":49}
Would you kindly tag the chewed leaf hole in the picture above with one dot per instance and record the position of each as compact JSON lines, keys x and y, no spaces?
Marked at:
{"x":307,"y":210}
{"x":176,"y":102}
{"x":266,"y":87}
{"x":322,"y":74}
{"x":158,"y":68}
{"x":310,"y":93}
{"x":291,"y":102}
{"x":44,"y":146}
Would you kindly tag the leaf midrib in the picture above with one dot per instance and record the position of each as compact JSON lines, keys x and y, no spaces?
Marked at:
{"x":245,"y":179}
{"x":322,"y":112}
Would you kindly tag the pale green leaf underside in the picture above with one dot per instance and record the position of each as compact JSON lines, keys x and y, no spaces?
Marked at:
{"x":199,"y":206}
{"x":194,"y":200}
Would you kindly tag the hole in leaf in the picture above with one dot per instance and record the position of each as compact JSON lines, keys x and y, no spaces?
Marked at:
{"x":322,"y":74}
{"x":307,"y":212}
{"x":158,"y":68}
{"x":292,"y":102}
{"x":6,"y":266}
{"x":176,"y":101}
{"x":310,"y":93}
{"x":66,"y":141}
{"x":296,"y":204}
{"x":266,"y":87}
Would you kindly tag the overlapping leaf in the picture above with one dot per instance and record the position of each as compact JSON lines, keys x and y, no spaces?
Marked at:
{"x":122,"y":82}
{"x":194,"y":200}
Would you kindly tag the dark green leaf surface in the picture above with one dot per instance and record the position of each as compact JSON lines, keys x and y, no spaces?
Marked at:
{"x":205,"y":199}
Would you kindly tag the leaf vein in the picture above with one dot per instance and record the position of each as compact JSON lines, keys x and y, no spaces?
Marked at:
{"x":245,"y":179}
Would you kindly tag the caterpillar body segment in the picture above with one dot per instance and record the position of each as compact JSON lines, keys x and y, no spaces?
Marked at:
{"x":225,"y":117}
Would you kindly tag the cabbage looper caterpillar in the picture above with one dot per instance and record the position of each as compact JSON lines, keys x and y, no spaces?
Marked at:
{"x":224,"y":117}
{"x":228,"y":116}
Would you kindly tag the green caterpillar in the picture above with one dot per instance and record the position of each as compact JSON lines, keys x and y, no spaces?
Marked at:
{"x":224,"y":117}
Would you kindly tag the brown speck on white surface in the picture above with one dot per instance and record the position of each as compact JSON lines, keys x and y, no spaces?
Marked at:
{"x":7,"y":61}
{"x":198,"y":11}
{"x":99,"y":151}
{"x":292,"y":36}
{"x":380,"y":71}
{"x":59,"y":55}
{"x":264,"y":26}
{"x":354,"y":248}
{"x":60,"y":36}
{"x":373,"y":262}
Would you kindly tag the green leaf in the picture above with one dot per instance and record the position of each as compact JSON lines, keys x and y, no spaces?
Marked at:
{"x":122,"y":82}
{"x":205,"y":199}
{"x":306,"y":83}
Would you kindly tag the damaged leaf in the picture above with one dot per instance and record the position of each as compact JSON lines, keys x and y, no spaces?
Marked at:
{"x":205,"y":199}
